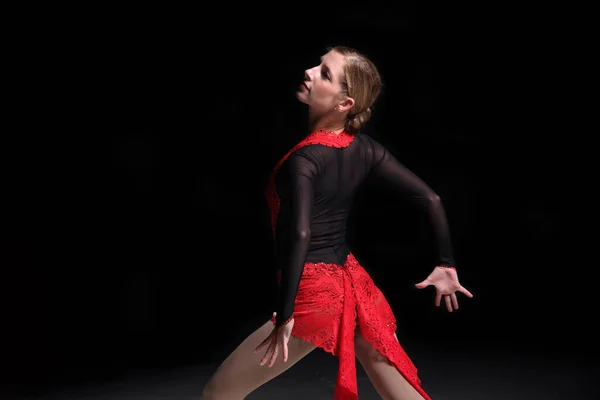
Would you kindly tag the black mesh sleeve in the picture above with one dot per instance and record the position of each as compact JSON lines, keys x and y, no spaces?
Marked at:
{"x":390,"y":171}
{"x":293,"y":229}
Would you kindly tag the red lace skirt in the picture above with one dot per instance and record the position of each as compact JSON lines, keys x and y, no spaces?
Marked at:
{"x":331,"y":301}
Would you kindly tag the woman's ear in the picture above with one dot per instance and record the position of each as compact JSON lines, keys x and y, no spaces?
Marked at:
{"x":345,"y":105}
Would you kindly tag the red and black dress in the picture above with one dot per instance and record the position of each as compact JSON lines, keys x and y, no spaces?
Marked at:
{"x":322,"y":286}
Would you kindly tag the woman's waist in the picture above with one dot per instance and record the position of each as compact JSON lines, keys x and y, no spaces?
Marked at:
{"x":329,"y":254}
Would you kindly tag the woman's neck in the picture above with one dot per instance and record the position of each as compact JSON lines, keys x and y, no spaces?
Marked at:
{"x":329,"y":126}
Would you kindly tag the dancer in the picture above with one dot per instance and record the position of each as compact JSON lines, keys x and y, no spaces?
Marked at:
{"x":326,"y":299}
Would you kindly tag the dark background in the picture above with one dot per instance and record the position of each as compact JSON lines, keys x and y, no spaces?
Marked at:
{"x":135,"y":232}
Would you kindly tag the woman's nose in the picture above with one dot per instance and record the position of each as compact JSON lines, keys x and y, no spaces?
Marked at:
{"x":307,"y":75}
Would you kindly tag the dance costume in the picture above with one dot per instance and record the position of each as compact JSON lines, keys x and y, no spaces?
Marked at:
{"x":322,"y":285}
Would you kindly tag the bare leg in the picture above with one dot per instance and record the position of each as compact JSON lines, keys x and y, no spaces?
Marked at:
{"x":387,"y":380}
{"x":241,"y":373}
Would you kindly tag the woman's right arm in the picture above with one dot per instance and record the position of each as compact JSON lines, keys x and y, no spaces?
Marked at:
{"x":293,"y":230}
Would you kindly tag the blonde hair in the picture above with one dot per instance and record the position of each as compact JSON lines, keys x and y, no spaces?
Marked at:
{"x":362,"y":82}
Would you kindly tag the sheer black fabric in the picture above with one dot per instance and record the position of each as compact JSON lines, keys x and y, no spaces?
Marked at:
{"x":317,"y":185}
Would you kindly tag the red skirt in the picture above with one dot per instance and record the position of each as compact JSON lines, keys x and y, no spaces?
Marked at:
{"x":331,"y":301}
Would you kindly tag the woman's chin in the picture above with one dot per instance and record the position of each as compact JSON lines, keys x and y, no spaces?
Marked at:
{"x":301,"y":96}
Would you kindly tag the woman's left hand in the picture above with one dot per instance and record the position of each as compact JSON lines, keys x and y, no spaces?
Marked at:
{"x":446,"y":284}
{"x":275,"y":343}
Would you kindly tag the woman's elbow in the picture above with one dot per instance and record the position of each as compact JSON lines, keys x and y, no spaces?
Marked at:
{"x":431,"y":201}
{"x":303,"y":234}
{"x":434,"y":199}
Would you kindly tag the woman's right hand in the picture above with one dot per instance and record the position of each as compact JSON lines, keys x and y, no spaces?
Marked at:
{"x":276,"y":343}
{"x":446,"y":284}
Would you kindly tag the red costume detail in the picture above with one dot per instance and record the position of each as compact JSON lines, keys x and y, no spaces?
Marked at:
{"x":447,"y":266}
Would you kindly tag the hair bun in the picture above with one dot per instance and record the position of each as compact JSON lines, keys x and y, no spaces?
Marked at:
{"x":360,"y":119}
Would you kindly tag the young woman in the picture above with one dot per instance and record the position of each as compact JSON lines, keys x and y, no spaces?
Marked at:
{"x":326,"y":298}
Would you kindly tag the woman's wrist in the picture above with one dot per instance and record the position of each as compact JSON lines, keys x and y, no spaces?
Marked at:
{"x":284,"y":323}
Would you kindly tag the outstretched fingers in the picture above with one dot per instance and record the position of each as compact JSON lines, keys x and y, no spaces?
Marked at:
{"x":454,"y":301}
{"x":270,"y":350}
{"x":284,"y":344}
{"x":448,"y":302}
{"x":264,"y":344}
{"x":465,"y":292}
{"x":423,"y":284}
{"x":274,"y":354}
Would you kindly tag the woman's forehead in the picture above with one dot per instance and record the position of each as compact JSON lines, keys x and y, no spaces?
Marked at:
{"x":333,"y":60}
{"x":333,"y":55}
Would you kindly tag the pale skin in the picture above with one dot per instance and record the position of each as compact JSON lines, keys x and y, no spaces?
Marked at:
{"x":257,"y":359}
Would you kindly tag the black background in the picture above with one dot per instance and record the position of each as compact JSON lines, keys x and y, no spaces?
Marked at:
{"x":135,"y":232}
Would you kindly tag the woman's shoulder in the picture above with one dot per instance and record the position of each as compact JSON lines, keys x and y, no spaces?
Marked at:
{"x":370,"y":144}
{"x":315,"y":154}
{"x":367,"y":139}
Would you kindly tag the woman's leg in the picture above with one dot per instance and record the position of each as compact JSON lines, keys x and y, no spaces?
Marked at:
{"x":387,"y":380}
{"x":241,"y":373}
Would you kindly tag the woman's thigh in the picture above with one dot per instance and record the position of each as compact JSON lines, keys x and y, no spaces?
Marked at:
{"x":386,"y":379}
{"x":241,"y":372}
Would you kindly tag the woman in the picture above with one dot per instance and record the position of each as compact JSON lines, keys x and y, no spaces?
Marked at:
{"x":326,"y":298}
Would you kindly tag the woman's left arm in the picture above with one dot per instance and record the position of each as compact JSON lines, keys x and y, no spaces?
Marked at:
{"x":390,"y":171}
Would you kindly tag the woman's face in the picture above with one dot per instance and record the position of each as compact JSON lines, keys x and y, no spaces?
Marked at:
{"x":322,"y":86}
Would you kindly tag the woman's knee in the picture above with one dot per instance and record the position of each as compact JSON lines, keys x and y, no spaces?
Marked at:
{"x":213,"y":391}
{"x":209,"y":392}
